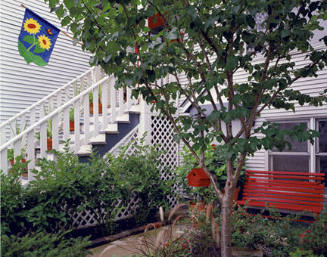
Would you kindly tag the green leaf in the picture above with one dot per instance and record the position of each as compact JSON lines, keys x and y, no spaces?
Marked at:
{"x":29,"y":39}
{"x":231,"y":64}
{"x":65,"y":21}
{"x":38,"y":49}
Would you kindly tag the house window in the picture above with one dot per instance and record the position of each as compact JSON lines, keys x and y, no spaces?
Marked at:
{"x":321,"y":148}
{"x":296,"y":158}
{"x":303,"y":156}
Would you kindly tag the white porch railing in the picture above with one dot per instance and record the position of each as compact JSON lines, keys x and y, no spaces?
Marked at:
{"x":20,"y":122}
{"x":115,"y":102}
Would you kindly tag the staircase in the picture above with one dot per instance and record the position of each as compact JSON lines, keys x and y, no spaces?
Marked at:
{"x":71,"y":113}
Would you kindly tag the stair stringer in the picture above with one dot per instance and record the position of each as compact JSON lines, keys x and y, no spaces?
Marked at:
{"x":111,"y":140}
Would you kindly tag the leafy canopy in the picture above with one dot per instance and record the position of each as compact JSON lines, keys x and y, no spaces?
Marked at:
{"x":210,"y":42}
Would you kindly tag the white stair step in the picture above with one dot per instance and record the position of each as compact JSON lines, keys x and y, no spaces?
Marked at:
{"x":123,"y":118}
{"x":112,"y":129}
{"x":135,"y":109}
{"x":85,"y":150}
{"x":99,"y":139}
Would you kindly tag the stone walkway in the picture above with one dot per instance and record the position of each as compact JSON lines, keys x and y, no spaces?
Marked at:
{"x":128,"y":246}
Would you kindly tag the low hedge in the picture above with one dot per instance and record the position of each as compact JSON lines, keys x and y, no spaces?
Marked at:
{"x":66,"y":186}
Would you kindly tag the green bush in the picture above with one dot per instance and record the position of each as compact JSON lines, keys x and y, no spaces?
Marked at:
{"x":67,"y":186}
{"x":141,"y":173}
{"x":45,"y":245}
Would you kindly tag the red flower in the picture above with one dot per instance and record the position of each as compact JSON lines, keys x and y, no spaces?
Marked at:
{"x":309,"y":231}
{"x":213,"y":146}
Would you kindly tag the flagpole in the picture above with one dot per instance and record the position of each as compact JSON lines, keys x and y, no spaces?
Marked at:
{"x":63,"y":32}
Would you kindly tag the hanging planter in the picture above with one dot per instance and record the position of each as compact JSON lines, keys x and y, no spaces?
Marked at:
{"x":156,"y":21}
{"x":198,"y":178}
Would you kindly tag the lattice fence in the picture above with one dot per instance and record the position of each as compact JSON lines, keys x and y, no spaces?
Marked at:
{"x":87,"y":218}
{"x":162,"y":133}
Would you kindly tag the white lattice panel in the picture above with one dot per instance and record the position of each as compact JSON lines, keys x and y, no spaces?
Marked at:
{"x":87,"y":218}
{"x":162,"y":133}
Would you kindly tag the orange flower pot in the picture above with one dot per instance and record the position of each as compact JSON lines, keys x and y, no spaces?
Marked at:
{"x":12,"y":162}
{"x":91,"y":108}
{"x":71,"y":126}
{"x":49,"y":143}
{"x":156,"y":20}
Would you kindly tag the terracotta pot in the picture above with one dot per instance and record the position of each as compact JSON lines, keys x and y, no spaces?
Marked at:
{"x":12,"y":162}
{"x":156,"y":20}
{"x":71,"y":126}
{"x":99,"y":108}
{"x":49,"y":143}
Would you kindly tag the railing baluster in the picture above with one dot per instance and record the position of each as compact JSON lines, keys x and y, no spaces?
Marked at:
{"x":4,"y":160}
{"x":96,"y":110}
{"x":31,"y":153}
{"x":86,"y":104}
{"x":128,"y":98}
{"x":55,"y":132}
{"x":112,"y":99}
{"x":121,"y":102}
{"x":77,"y":125}
{"x":66,"y":123}
{"x":104,"y":99}
{"x":43,"y":139}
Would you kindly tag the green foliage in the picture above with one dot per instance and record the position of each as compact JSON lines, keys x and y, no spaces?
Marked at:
{"x":141,"y":173}
{"x":216,"y":165}
{"x":45,"y":245}
{"x":67,"y":186}
{"x":303,"y":253}
{"x":314,"y":238}
{"x":71,"y":114}
{"x":279,"y":236}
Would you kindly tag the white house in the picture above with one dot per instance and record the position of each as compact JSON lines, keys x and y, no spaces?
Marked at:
{"x":22,"y":85}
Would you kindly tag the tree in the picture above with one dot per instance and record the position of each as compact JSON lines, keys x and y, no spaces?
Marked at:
{"x":209,"y":41}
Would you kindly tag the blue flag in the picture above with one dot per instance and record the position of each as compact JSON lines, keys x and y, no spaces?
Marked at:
{"x":36,"y":39}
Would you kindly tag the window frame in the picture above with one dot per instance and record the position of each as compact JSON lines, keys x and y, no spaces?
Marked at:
{"x":312,"y":150}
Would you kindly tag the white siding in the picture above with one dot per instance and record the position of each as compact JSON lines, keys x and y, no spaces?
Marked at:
{"x":21,"y":84}
{"x":312,"y":86}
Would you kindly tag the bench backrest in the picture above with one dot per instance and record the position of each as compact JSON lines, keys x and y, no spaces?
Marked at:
{"x":287,"y":190}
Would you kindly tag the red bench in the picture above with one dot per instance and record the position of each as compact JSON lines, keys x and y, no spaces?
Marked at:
{"x":295,"y":191}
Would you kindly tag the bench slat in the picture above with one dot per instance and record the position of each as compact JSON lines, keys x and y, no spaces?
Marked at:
{"x":286,"y":177}
{"x":299,"y":183}
{"x":278,"y":189}
{"x":281,"y":188}
{"x":292,"y":207}
{"x":279,"y":200}
{"x":287,"y":173}
{"x":286,"y":196}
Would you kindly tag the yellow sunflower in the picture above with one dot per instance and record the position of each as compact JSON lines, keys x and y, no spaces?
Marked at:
{"x":32,"y":26}
{"x":45,"y":42}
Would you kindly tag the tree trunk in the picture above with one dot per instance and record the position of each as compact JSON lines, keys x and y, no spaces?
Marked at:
{"x":226,"y":230}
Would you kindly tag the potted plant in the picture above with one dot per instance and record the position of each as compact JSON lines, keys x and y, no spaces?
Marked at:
{"x":71,"y":120}
{"x":11,"y":158}
{"x":91,"y":102}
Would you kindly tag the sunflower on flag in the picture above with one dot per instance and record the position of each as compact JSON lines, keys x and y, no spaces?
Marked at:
{"x":36,"y":39}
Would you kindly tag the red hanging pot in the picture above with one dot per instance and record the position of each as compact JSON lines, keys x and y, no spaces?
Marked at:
{"x":156,"y":20}
{"x":198,"y":178}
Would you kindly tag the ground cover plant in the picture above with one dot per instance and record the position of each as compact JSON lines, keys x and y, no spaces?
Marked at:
{"x":275,"y":236}
{"x":208,"y":41}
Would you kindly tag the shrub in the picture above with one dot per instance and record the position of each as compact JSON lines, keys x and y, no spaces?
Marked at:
{"x":66,"y":186}
{"x":142,"y":173}
{"x":45,"y":245}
